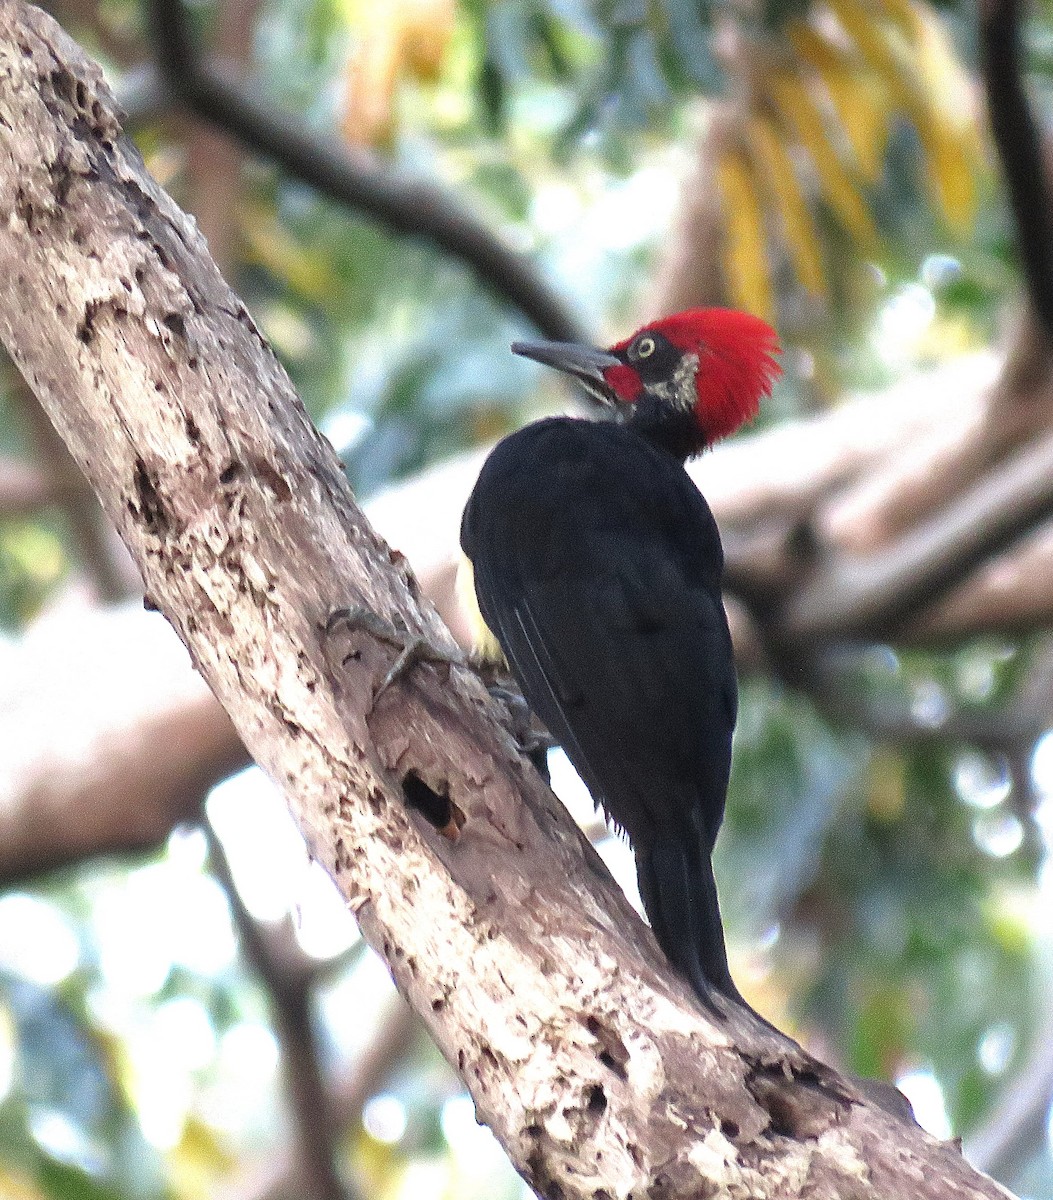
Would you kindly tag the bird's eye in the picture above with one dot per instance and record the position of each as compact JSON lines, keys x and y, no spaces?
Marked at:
{"x":645,"y":347}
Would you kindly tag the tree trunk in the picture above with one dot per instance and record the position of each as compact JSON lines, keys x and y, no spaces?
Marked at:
{"x":587,"y":1057}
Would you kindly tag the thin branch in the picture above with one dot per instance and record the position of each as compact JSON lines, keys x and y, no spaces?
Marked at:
{"x":288,"y":976}
{"x":1019,"y":146}
{"x":397,"y":1031}
{"x":872,"y":596}
{"x":405,"y":205}
{"x":834,"y":686}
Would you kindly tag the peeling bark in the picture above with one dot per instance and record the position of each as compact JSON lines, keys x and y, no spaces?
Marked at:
{"x":586,"y":1056}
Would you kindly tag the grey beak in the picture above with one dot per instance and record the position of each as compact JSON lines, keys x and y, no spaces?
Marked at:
{"x":582,"y":362}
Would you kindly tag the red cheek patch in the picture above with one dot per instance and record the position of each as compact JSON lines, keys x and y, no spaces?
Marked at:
{"x":624,"y":382}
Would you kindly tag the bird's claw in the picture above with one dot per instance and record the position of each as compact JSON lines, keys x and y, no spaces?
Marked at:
{"x":532,"y":739}
{"x":413,"y":649}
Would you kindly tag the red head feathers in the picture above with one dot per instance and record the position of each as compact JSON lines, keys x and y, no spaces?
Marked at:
{"x":735,"y":364}
{"x":690,"y":379}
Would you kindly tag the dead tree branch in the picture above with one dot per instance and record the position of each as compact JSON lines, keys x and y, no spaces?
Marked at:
{"x":931,"y":474}
{"x":587,"y":1057}
{"x":115,"y":674}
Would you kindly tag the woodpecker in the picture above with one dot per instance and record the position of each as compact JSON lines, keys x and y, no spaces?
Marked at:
{"x":597,"y":566}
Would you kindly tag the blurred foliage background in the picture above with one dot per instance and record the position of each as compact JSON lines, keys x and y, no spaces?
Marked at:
{"x":888,"y":898}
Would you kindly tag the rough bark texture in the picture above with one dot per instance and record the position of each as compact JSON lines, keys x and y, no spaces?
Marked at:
{"x":592,"y":1064}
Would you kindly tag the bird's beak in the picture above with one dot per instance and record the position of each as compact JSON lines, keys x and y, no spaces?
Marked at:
{"x":583,"y":362}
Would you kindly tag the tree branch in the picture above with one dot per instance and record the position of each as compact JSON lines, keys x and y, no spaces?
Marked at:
{"x":213,"y":160}
{"x":872,"y":596}
{"x":276,"y":1178}
{"x":288,"y":980}
{"x":930,"y":474}
{"x":405,"y":205}
{"x":689,"y":269}
{"x":1020,"y":149}
{"x":1018,"y":1123}
{"x":1016,"y":726}
{"x":1011,"y":594}
{"x":588,"y":1058}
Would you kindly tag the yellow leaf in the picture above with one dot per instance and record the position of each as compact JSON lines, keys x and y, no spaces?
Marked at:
{"x":949,"y":174}
{"x":372,"y":72}
{"x":948,"y":128}
{"x":745,"y":254}
{"x":880,"y":44}
{"x":798,"y":110}
{"x":859,"y":101}
{"x":769,"y":152}
{"x":269,"y":244}
{"x":15,"y":1186}
{"x":198,"y":1161}
{"x":902,"y":12}
{"x":394,"y":40}
{"x":427,"y":27}
{"x":912,"y":53}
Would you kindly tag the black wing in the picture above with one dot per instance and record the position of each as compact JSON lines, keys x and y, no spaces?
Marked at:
{"x":597,"y":566}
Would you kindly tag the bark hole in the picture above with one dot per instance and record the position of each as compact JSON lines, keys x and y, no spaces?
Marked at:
{"x":86,"y":327}
{"x":435,"y":807}
{"x":595,"y":1100}
{"x":151,"y":509}
{"x":612,"y":1053}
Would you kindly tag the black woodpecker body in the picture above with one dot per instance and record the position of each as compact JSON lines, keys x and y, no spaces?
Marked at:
{"x":597,"y":565}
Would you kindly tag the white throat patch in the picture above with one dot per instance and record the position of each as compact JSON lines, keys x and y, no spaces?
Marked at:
{"x":680,"y":390}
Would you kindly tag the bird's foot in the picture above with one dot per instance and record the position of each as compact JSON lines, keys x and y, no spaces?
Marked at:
{"x":531,"y":737}
{"x":413,"y":649}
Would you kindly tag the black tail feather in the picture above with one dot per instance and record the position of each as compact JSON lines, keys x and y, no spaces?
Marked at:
{"x":679,"y":894}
